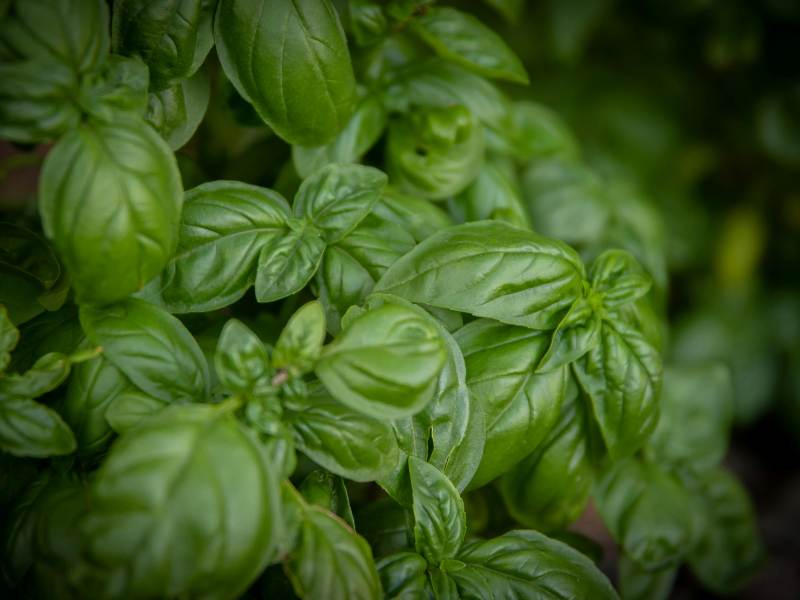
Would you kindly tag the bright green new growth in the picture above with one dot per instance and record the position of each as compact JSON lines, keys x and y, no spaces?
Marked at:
{"x":200,"y":369}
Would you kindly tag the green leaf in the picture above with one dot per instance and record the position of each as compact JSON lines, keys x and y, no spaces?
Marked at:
{"x":619,"y":279}
{"x":300,"y":342}
{"x":434,"y":152}
{"x":528,"y":565}
{"x":696,"y":416}
{"x":120,"y":86}
{"x":35,"y":101}
{"x":622,"y":377}
{"x":648,"y":512}
{"x":349,"y":146}
{"x":565,"y":200}
{"x":576,"y":334}
{"x":290,"y":60}
{"x":328,"y":491}
{"x":286,"y":263}
{"x":9,"y":336}
{"x":462,"y":38}
{"x":71,"y":32}
{"x":730,"y":550}
{"x":224,"y":227}
{"x":418,"y":216}
{"x":176,"y":111}
{"x":549,"y":489}
{"x":440,"y":83}
{"x":129,"y":408}
{"x":386,"y":526}
{"x":521,"y":406}
{"x":344,"y":441}
{"x":441,"y":585}
{"x":241,"y":361}
{"x":47,"y":373}
{"x":385,"y":363}
{"x":189,"y":483}
{"x":403,"y":576}
{"x":525,"y":279}
{"x":635,"y":583}
{"x":58,"y":331}
{"x":124,"y":238}
{"x":536,"y":132}
{"x":492,"y":195}
{"x":336,"y":198}
{"x":151,"y":347}
{"x":330,"y":560}
{"x":173,"y":37}
{"x":92,"y":387}
{"x":28,"y":428}
{"x":440,"y":522}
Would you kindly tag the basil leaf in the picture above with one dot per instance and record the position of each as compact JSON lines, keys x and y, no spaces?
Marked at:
{"x":125,"y":238}
{"x":336,"y":198}
{"x":93,"y":387}
{"x":386,"y":526}
{"x":647,"y":511}
{"x":71,"y":32}
{"x":330,"y":560}
{"x":636,"y":583}
{"x":120,"y":86}
{"x":58,"y":331}
{"x":342,"y":440}
{"x":434,"y":152}
{"x":300,"y":342}
{"x":9,"y":336}
{"x":566,"y":200}
{"x":696,"y":417}
{"x":576,"y":334}
{"x":417,"y":216}
{"x":622,"y":377}
{"x":224,"y":227}
{"x":28,"y":428}
{"x":537,"y":132}
{"x":290,"y":60}
{"x":403,"y":575}
{"x":241,"y":361}
{"x":729,"y":550}
{"x":151,"y":347}
{"x":528,"y":565}
{"x":619,"y":279}
{"x":385,"y":363}
{"x":287,"y":262}
{"x":349,"y":146}
{"x":328,"y":491}
{"x":524,"y":279}
{"x":492,"y":195}
{"x":129,"y":408}
{"x":46,"y":374}
{"x":35,"y":101}
{"x":441,"y":585}
{"x":440,"y":522}
{"x":176,"y":112}
{"x":549,"y":489}
{"x":342,"y":281}
{"x":462,"y":38}
{"x":439,"y":83}
{"x":521,"y":406}
{"x":148,"y":522}
{"x":173,"y":37}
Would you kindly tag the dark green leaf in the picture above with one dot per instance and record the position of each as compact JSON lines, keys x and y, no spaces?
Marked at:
{"x":418,"y":216}
{"x":336,"y":198}
{"x":129,"y":408}
{"x":173,"y":36}
{"x":46,"y":374}
{"x":403,"y":576}
{"x":9,"y":336}
{"x":290,"y":60}
{"x":190,"y":483}
{"x":492,"y":195}
{"x":151,"y":347}
{"x":28,"y":428}
{"x":635,"y":583}
{"x":176,"y":111}
{"x":224,"y":227}
{"x":241,"y":361}
{"x":462,"y":38}
{"x":525,"y":279}
{"x":120,"y":86}
{"x":576,"y":334}
{"x":440,"y":522}
{"x":328,"y":491}
{"x":618,"y":278}
{"x":125,"y":238}
{"x":386,"y":363}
